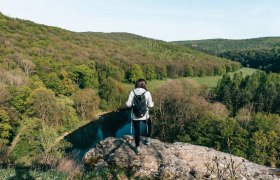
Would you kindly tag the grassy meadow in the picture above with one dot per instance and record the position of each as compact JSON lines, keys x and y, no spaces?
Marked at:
{"x":209,"y":81}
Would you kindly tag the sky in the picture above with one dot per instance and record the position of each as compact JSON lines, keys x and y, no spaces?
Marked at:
{"x":167,"y":20}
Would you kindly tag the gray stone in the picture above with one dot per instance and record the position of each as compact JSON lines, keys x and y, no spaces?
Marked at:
{"x":174,"y":161}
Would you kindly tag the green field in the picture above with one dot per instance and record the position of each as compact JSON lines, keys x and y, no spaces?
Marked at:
{"x":209,"y":81}
{"x":245,"y":71}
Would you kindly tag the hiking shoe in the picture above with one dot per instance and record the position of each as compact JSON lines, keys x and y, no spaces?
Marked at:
{"x":147,"y":141}
{"x":137,"y":150}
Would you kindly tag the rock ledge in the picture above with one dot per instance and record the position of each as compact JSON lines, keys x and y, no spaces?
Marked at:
{"x":174,"y":161}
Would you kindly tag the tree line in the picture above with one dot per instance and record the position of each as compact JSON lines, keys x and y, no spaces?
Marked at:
{"x":260,"y":92}
{"x":190,"y":116}
{"x":265,"y":59}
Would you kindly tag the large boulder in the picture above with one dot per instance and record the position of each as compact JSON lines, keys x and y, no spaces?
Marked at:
{"x":174,"y":161}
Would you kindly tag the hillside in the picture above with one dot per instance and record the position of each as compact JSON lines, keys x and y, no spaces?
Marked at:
{"x":218,"y":46}
{"x":262,"y":53}
{"x":118,"y":51}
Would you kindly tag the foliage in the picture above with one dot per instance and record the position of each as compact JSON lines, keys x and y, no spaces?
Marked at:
{"x":135,"y":73}
{"x":260,"y":90}
{"x":25,"y":173}
{"x":110,"y":54}
{"x":149,"y":71}
{"x":113,"y":93}
{"x":187,"y":116}
{"x":172,"y":113}
{"x":39,"y":144}
{"x":218,"y":46}
{"x":5,"y":127}
{"x":106,"y":70}
{"x":49,"y":149}
{"x":189,"y":71}
{"x":86,"y":102}
{"x":265,"y":59}
{"x":19,"y":98}
{"x":85,"y":77}
{"x":261,"y":53}
{"x":53,"y":82}
{"x":43,"y":104}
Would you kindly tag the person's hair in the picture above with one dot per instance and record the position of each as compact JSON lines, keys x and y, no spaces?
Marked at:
{"x":141,"y":83}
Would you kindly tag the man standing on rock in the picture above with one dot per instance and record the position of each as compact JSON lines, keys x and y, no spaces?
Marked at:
{"x":140,"y":99}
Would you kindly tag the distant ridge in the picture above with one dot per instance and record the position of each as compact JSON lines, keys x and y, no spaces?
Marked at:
{"x":262,"y":53}
{"x":217,"y":46}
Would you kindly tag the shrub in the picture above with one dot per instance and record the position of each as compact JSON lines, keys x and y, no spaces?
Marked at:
{"x":86,"y":102}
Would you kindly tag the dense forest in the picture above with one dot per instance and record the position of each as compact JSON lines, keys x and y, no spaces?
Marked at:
{"x":218,"y":46}
{"x":265,"y":59}
{"x":260,"y":53}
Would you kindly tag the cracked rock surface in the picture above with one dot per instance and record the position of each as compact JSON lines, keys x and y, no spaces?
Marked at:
{"x":174,"y":161}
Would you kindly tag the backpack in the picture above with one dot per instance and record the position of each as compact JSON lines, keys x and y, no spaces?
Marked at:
{"x":139,"y":106}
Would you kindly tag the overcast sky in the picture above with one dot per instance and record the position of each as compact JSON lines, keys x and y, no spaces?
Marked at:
{"x":167,"y":20}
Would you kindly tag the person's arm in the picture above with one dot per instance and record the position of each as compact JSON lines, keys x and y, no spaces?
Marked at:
{"x":130,"y":99}
{"x":150,"y":100}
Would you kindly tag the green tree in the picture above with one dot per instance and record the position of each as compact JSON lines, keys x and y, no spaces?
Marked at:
{"x":113,"y":94}
{"x":67,"y":83}
{"x":223,"y":91}
{"x":86,"y":102}
{"x":235,"y":92}
{"x":201,"y":72}
{"x":135,"y":73}
{"x":19,"y":98}
{"x":43,"y":104}
{"x":106,"y":70}
{"x":53,"y":82}
{"x":161,"y":72}
{"x":5,"y":127}
{"x":149,"y":71}
{"x":49,"y":150}
{"x":217,"y":70}
{"x":85,"y":77}
{"x":189,"y":71}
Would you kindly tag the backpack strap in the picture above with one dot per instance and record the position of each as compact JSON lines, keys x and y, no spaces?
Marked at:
{"x":141,"y":94}
{"x":144,"y":92}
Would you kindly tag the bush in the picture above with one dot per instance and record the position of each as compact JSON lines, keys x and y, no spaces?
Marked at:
{"x":25,"y":173}
{"x":86,"y":102}
{"x":42,"y":104}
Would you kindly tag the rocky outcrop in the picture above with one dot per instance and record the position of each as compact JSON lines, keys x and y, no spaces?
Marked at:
{"x":174,"y":161}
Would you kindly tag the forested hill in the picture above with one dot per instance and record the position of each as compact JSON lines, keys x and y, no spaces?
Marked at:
{"x":21,"y":39}
{"x":263,"y":53}
{"x":218,"y":46}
